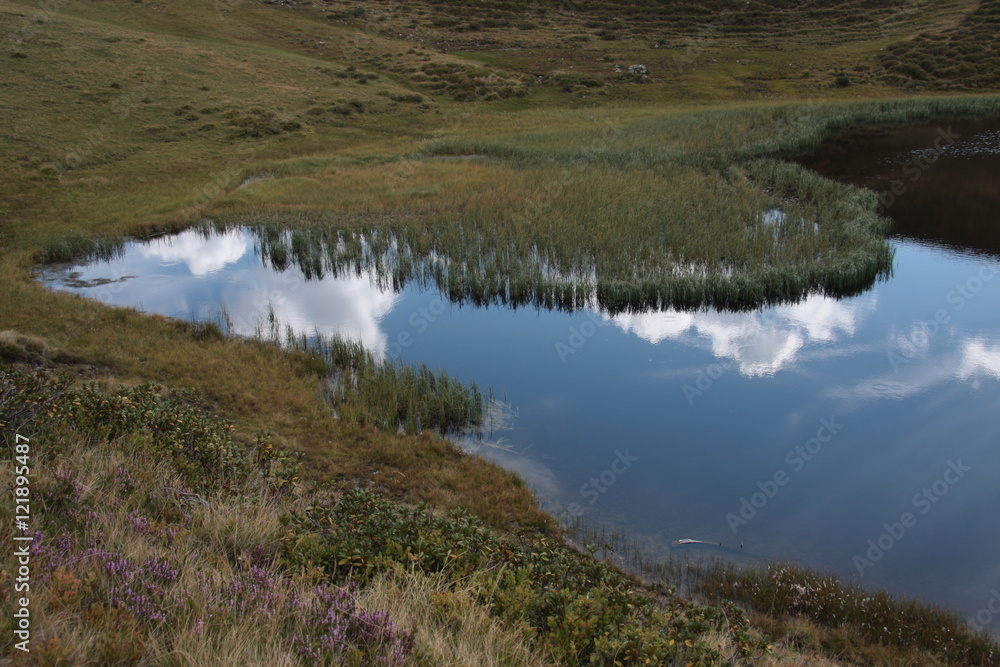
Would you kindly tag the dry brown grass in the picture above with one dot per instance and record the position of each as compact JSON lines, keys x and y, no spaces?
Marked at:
{"x":451,"y":625}
{"x":782,"y":654}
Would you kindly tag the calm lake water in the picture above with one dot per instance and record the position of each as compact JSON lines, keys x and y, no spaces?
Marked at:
{"x":857,"y":435}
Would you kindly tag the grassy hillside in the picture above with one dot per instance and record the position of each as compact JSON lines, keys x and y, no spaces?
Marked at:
{"x":121,"y":118}
{"x":723,"y":49}
{"x":965,"y":56}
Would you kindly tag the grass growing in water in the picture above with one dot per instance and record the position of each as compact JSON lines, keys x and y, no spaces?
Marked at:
{"x":390,"y":394}
{"x":627,"y":239}
{"x":75,"y":245}
{"x":686,"y":210}
{"x":138,"y":481}
{"x":371,"y":391}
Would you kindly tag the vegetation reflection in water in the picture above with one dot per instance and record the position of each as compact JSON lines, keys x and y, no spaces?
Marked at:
{"x":785,"y":254}
{"x":686,"y":210}
{"x":388,"y":394}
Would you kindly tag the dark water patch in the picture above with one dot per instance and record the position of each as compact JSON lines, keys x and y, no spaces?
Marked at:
{"x":940,"y":183}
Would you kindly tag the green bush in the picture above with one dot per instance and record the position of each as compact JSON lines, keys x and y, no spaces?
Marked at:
{"x":179,"y":428}
{"x":581,"y":611}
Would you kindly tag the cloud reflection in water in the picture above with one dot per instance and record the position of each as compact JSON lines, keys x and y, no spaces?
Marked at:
{"x":761,"y":343}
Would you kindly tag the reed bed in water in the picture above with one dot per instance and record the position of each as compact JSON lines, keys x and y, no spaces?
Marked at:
{"x":685,"y":210}
{"x":625,"y":239}
{"x":387,"y":394}
{"x":678,"y":211}
{"x":75,"y":245}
